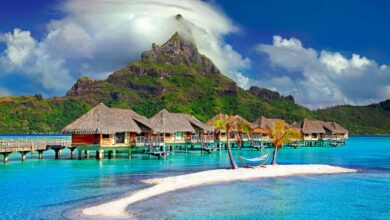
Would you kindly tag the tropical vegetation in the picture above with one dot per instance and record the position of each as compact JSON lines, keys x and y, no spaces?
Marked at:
{"x":231,"y":124}
{"x":281,"y":135}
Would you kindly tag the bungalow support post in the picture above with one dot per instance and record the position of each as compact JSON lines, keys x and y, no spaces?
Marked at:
{"x":72,"y":152}
{"x":23,"y":153}
{"x":100,"y":154}
{"x":40,"y":154}
{"x":57,"y":153}
{"x":80,"y":153}
{"x":129,"y":154}
{"x":5,"y":155}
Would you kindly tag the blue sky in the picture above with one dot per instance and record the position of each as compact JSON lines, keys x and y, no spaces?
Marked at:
{"x":323,"y":52}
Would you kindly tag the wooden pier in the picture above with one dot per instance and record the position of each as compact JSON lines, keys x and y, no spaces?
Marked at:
{"x":154,"y":147}
{"x":24,"y":146}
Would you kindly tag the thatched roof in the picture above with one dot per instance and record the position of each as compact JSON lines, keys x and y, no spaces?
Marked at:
{"x":335,"y":128}
{"x":267,"y":123}
{"x":198,"y":124}
{"x":143,"y":122}
{"x":309,"y":127}
{"x":167,"y":122}
{"x":211,"y":122}
{"x":296,"y":125}
{"x":104,"y":120}
{"x":320,"y":127}
{"x":258,"y":130}
{"x":220,"y":116}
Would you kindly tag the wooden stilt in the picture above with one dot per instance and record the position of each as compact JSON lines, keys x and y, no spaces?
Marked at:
{"x":5,"y":155}
{"x":57,"y":153}
{"x":40,"y":154}
{"x":23,"y":155}
{"x":80,"y":153}
{"x":129,"y":154}
{"x":72,"y":152}
{"x":100,"y":154}
{"x":87,"y":153}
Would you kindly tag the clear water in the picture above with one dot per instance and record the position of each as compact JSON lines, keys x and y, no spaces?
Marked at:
{"x":52,"y":189}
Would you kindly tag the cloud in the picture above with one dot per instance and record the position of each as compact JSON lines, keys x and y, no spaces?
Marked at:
{"x":323,"y":78}
{"x":4,"y":92}
{"x":96,"y":37}
{"x":24,"y":54}
{"x":20,"y":45}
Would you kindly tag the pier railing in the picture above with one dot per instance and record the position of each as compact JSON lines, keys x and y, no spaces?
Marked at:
{"x":34,"y":143}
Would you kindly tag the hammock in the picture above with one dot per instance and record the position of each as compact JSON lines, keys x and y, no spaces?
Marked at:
{"x":254,"y":162}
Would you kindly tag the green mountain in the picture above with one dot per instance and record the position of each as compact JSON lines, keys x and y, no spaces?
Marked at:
{"x":365,"y":120}
{"x":177,"y":77}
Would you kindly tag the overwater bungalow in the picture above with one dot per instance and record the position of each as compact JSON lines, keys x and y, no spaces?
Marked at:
{"x":178,"y":128}
{"x":108,"y":129}
{"x":314,"y":130}
{"x":220,"y":135}
{"x":262,"y":128}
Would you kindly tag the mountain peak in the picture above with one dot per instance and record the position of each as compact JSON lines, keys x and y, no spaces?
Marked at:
{"x":180,"y":49}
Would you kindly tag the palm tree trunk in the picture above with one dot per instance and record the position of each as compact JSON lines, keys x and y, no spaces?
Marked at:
{"x":274,"y":156}
{"x":231,"y":158}
{"x":239,"y":140}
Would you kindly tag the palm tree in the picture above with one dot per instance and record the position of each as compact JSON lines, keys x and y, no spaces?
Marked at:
{"x":281,"y":135}
{"x":231,"y":123}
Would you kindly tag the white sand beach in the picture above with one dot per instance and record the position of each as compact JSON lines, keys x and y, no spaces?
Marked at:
{"x":119,"y":208}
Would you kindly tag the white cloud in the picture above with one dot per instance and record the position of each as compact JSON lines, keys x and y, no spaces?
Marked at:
{"x":25,"y":54}
{"x":323,"y":78}
{"x":100,"y":36}
{"x":4,"y":92}
{"x":20,"y":46}
{"x":290,"y":53}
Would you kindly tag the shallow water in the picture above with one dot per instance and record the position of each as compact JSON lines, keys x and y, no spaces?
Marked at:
{"x":51,"y":189}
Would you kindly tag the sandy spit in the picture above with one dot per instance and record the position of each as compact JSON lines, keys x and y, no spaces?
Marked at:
{"x":118,"y":208}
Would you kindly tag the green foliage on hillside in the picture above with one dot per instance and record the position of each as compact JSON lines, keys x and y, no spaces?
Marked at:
{"x":365,"y":120}
{"x":29,"y":114}
{"x":180,"y":88}
{"x":176,"y":77}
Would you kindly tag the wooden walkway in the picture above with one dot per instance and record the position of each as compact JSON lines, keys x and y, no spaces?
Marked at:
{"x":28,"y":145}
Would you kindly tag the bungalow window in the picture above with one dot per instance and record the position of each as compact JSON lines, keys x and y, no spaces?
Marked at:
{"x":120,"y":137}
{"x":105,"y":136}
{"x":179,"y":136}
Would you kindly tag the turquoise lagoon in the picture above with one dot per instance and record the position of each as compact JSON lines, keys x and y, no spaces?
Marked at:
{"x":53,"y":189}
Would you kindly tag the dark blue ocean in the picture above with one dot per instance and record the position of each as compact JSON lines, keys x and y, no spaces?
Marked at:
{"x":53,"y":189}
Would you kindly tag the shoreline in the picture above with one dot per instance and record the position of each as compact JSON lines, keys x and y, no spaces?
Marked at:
{"x":118,"y":208}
